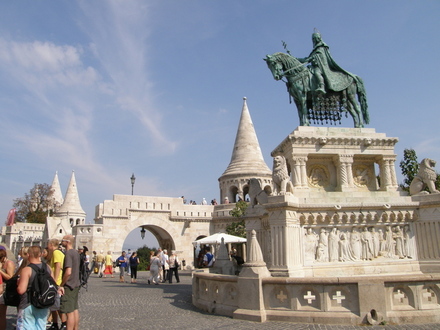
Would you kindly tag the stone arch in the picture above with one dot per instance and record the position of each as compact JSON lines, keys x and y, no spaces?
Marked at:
{"x":233,"y":191}
{"x":165,"y":231}
{"x":246,"y":192}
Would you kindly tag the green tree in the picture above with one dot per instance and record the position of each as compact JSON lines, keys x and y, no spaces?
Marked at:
{"x":144,"y":257}
{"x":238,"y":228}
{"x":36,"y":205}
{"x":409,"y":167}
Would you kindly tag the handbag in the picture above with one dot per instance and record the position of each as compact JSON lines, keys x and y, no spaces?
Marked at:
{"x":11,"y":296}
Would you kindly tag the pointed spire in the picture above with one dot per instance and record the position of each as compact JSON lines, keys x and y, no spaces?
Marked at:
{"x":71,"y":203}
{"x":254,"y":265}
{"x":56,"y":194}
{"x":246,"y":156}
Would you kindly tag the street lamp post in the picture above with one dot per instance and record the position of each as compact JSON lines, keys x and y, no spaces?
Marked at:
{"x":133,"y":179}
{"x":143,"y":232}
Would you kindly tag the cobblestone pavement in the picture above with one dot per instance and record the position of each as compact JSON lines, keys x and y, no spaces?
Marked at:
{"x":109,"y":304}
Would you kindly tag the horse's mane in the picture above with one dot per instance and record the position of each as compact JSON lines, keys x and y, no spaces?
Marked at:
{"x":288,"y":61}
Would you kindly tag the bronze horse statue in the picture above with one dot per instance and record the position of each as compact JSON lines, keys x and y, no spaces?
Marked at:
{"x":315,"y":106}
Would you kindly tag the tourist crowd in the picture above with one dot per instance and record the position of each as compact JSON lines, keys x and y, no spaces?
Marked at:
{"x":161,"y":265}
{"x":60,"y":262}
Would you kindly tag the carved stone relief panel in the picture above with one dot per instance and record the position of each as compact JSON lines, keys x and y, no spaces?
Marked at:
{"x":318,"y":176}
{"x":321,"y":172}
{"x":322,"y":244}
{"x":362,"y":176}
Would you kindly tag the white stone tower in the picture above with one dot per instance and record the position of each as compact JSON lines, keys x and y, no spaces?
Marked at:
{"x":56,"y":194}
{"x":71,"y":208}
{"x":246,"y":162}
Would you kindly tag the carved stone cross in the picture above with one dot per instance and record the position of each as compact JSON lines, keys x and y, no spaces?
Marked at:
{"x":338,"y":297}
{"x":309,"y":297}
{"x":429,"y":294}
{"x":281,"y":296}
{"x":399,"y":296}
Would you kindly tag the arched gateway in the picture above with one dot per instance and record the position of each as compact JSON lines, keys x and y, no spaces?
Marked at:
{"x":174,"y":224}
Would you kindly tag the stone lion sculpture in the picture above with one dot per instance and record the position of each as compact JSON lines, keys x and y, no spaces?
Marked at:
{"x":280,"y":177}
{"x":425,"y":177}
{"x":256,"y":194}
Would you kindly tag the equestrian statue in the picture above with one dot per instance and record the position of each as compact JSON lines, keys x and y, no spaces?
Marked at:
{"x":322,"y":91}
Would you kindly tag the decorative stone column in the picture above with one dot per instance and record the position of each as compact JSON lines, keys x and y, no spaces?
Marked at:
{"x":387,"y":168}
{"x":299,"y":171}
{"x":345,"y":173}
{"x":286,"y":240}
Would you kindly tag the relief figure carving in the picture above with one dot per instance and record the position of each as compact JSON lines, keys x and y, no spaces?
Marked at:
{"x":311,"y":245}
{"x":367,"y":244}
{"x":333,"y":245}
{"x":356,"y":244}
{"x":322,"y":252}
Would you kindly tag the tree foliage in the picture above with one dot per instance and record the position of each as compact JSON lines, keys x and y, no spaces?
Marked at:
{"x":409,"y":167}
{"x":144,"y":257}
{"x":36,"y":205}
{"x":238,"y":228}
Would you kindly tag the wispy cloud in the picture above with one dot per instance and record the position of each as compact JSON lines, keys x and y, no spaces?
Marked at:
{"x":60,"y":91}
{"x":119,"y":38}
{"x":55,"y":97}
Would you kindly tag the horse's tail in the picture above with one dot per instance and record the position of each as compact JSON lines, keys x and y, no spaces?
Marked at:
{"x":362,"y":96}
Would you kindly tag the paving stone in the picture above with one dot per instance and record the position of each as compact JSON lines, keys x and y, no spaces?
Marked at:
{"x":109,"y":304}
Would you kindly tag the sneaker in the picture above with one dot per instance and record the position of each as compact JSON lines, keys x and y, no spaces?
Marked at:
{"x":53,"y":327}
{"x":63,"y":327}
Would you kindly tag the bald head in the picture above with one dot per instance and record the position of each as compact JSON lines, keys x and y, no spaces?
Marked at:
{"x":68,"y":241}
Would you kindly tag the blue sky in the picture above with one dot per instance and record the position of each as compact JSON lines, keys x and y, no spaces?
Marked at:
{"x":155,"y":88}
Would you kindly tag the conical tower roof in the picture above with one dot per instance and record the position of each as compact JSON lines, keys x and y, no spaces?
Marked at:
{"x":246,"y":156}
{"x":56,"y":193}
{"x":71,"y":203}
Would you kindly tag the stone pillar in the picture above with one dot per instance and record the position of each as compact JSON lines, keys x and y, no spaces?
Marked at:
{"x":299,"y":171}
{"x":387,"y":168}
{"x":286,"y":249}
{"x":344,"y":172}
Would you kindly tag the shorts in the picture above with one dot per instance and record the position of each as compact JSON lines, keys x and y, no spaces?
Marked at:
{"x":69,"y":301}
{"x":56,"y":305}
{"x":121,"y":271}
{"x":32,"y":318}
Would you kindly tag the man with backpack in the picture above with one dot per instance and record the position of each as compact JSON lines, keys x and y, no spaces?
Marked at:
{"x":37,"y":289}
{"x":70,"y":284}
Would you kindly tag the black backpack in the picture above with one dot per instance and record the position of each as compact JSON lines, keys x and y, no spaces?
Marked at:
{"x":43,"y":290}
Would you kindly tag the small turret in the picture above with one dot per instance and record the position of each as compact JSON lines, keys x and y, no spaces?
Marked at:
{"x":71,"y":207}
{"x":246,"y":162}
{"x":55,"y":194}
